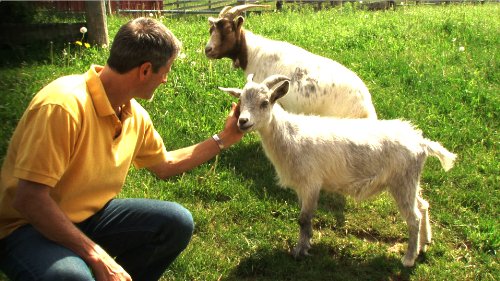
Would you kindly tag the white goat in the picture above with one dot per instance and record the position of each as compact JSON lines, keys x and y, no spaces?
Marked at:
{"x":357,"y":157}
{"x":318,"y":85}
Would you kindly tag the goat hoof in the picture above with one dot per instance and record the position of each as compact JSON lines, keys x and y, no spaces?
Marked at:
{"x":426,"y":241}
{"x":296,"y":253}
{"x":423,"y":249}
{"x":408,"y":262}
{"x":299,"y":252}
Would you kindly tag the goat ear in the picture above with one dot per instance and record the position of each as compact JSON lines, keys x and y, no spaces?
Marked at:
{"x":235,"y":92}
{"x":274,"y":80}
{"x":239,"y":22}
{"x":212,"y":20}
{"x":280,"y":91}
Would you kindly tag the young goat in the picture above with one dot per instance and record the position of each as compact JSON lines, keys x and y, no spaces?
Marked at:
{"x":357,"y":157}
{"x":318,"y":85}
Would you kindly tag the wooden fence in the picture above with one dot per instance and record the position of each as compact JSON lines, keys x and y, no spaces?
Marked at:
{"x":214,"y":6}
{"x":29,"y":33}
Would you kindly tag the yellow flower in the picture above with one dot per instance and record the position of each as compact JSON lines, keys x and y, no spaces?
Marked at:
{"x":78,"y":43}
{"x":87,"y":45}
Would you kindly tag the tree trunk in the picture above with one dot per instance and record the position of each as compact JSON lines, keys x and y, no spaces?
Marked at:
{"x":96,"y":23}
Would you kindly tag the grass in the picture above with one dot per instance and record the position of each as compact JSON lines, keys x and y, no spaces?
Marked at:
{"x":436,"y":66}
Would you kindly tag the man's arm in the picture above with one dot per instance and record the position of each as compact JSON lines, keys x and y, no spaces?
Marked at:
{"x":33,"y":201}
{"x":185,"y":159}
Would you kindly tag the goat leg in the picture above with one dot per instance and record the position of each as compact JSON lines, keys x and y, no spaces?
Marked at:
{"x":413,"y":219}
{"x":309,"y":203}
{"x":425,"y":227}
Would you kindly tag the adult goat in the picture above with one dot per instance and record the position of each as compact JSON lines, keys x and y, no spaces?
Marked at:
{"x":318,"y":85}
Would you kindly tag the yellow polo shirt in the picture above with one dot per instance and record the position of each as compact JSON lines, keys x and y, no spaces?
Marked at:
{"x":70,"y":139}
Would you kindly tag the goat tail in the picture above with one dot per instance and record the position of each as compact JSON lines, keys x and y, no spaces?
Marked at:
{"x":446,"y":158}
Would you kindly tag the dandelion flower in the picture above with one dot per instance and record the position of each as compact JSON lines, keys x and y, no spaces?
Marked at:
{"x":78,"y":43}
{"x":83,"y":30}
{"x":182,"y":56}
{"x":87,"y":45}
{"x":461,"y":49}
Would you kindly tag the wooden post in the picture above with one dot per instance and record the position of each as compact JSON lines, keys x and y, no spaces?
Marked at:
{"x":96,"y":23}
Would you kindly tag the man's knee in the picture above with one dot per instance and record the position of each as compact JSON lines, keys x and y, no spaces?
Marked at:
{"x":69,"y":268}
{"x":184,"y":225}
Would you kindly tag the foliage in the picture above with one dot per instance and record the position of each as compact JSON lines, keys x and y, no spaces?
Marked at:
{"x":16,"y":12}
{"x":435,"y":66}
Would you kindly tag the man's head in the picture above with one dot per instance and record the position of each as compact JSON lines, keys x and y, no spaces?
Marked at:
{"x":142,"y":40}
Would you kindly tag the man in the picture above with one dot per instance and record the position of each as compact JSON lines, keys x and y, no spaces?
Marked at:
{"x":69,"y":157}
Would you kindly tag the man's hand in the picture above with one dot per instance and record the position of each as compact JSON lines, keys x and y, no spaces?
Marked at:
{"x":105,"y":267}
{"x":33,"y":201}
{"x":231,"y":133}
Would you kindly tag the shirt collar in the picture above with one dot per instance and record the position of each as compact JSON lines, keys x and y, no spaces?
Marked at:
{"x":98,"y":94}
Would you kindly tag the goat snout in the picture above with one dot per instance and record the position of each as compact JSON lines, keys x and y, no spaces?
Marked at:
{"x":210,"y":52}
{"x":243,"y":120}
{"x":243,"y":124}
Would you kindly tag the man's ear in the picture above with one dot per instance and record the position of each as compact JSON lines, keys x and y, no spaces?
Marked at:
{"x":145,"y":70}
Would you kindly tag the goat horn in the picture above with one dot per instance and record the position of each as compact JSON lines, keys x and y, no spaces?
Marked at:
{"x":273,"y":80}
{"x":224,"y":10}
{"x":237,"y":10}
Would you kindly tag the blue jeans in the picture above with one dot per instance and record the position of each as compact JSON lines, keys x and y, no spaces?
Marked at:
{"x":145,"y":236}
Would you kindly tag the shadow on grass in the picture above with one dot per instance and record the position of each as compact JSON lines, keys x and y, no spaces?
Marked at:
{"x":251,"y":163}
{"x":325,"y":264}
{"x":27,"y":54}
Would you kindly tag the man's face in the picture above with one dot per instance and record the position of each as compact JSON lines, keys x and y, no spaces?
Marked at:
{"x":153,"y":80}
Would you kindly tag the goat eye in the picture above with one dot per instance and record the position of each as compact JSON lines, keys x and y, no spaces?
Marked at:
{"x":264,"y":104}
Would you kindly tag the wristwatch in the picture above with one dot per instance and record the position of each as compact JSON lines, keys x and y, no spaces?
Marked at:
{"x":218,"y":141}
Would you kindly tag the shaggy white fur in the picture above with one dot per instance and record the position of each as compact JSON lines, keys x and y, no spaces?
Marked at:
{"x":356,"y":157}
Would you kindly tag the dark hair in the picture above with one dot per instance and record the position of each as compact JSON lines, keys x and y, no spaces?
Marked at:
{"x":142,"y":40}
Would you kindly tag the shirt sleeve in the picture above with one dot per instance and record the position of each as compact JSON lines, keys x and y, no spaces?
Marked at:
{"x":152,"y":150}
{"x":46,"y":145}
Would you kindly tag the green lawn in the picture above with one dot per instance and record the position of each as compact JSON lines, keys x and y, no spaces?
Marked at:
{"x":436,"y":66}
